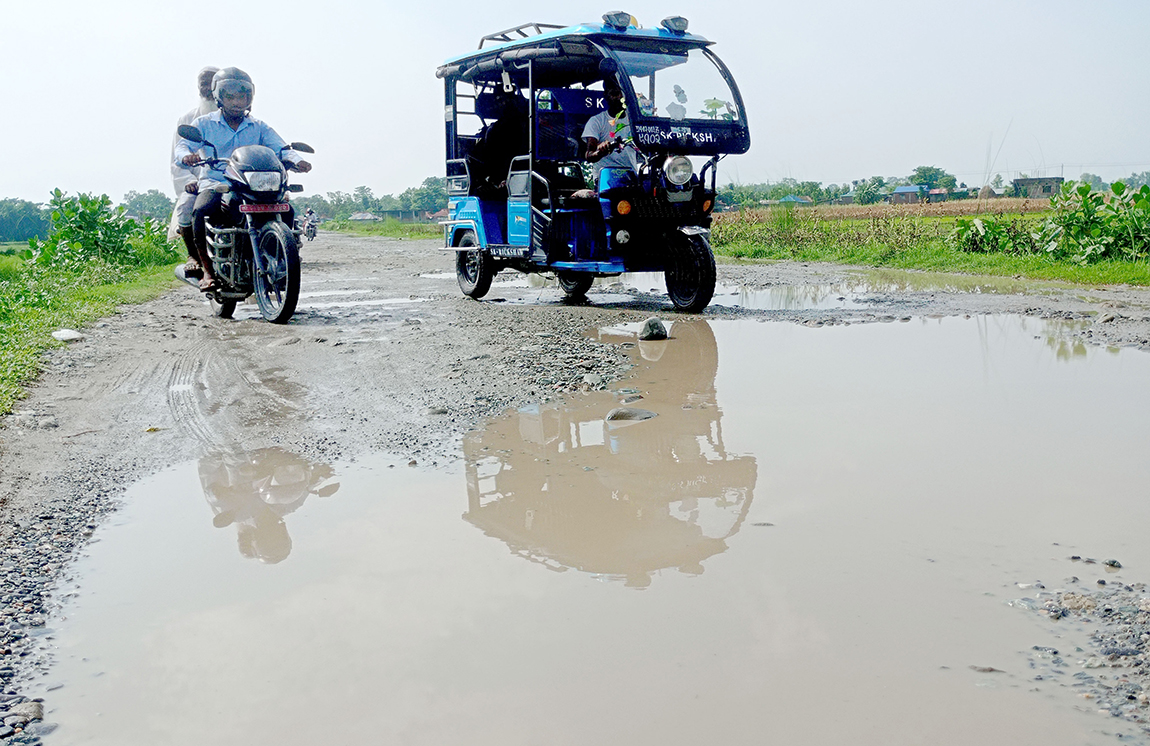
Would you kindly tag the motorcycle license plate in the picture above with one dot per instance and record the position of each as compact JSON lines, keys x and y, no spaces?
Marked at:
{"x":264,"y":208}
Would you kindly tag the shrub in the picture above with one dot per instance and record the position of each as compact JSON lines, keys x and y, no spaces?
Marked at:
{"x":1088,"y":225}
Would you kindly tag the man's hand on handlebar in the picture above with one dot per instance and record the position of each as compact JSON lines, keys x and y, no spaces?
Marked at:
{"x":302,"y":166}
{"x":192,"y":159}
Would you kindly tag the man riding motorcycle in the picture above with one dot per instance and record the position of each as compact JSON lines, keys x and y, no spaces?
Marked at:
{"x":228,"y":128}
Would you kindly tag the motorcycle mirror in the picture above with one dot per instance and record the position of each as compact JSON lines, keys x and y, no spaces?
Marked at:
{"x":328,"y":490}
{"x":295,"y":187}
{"x":302,"y":147}
{"x":188,"y":132}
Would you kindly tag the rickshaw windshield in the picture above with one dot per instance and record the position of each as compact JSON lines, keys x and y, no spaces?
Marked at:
{"x":678,"y":84}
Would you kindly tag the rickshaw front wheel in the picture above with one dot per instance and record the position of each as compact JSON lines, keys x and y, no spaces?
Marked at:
{"x":575,"y":284}
{"x":690,"y":273}
{"x":473,"y":267}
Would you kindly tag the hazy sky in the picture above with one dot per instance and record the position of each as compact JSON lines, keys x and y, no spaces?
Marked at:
{"x":836,"y":89}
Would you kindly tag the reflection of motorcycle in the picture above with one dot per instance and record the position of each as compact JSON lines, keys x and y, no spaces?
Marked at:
{"x":254,"y":490}
{"x":252,"y":249}
{"x":568,"y":488}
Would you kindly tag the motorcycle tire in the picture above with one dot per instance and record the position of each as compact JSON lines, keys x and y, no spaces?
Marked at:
{"x":474,"y":268}
{"x":690,"y":273}
{"x":277,"y":280}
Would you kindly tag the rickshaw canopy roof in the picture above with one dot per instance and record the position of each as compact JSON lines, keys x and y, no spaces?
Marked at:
{"x":563,"y":56}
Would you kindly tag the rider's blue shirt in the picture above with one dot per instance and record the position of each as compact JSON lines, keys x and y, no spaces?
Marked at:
{"x":216,"y":131}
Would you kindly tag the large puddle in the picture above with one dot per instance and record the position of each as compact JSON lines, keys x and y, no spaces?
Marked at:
{"x":813,"y":541}
{"x":857,"y":290}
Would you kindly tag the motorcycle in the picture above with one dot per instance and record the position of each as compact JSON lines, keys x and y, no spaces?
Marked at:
{"x":309,"y":229}
{"x":252,"y":249}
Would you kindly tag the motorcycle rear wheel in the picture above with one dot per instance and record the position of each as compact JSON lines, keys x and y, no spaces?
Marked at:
{"x":277,"y":281}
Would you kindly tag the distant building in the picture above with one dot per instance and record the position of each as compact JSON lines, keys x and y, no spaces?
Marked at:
{"x":937,"y":195}
{"x":846,"y":199}
{"x":362,"y":216}
{"x":1046,"y":186}
{"x":907,"y":195}
{"x":795,"y":199}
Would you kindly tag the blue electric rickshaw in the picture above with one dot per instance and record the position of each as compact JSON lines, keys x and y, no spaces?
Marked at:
{"x":519,"y":189}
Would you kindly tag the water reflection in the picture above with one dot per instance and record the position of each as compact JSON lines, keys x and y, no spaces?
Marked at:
{"x":565,"y":487}
{"x":254,"y":490}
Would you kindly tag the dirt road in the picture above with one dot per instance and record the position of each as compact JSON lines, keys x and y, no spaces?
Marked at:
{"x":385,"y":354}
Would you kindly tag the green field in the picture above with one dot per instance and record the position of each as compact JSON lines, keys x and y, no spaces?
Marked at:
{"x":914,"y":237}
{"x":386,"y":228}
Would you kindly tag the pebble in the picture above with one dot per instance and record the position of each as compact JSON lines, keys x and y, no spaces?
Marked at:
{"x":68,"y":335}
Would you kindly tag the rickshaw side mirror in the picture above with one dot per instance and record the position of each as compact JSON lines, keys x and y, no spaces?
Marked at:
{"x":608,"y":66}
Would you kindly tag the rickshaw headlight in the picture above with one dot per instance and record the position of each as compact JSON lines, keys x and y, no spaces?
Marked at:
{"x":623,"y":207}
{"x":678,"y":169}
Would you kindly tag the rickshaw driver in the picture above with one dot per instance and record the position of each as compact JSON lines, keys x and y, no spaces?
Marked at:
{"x":607,"y":132}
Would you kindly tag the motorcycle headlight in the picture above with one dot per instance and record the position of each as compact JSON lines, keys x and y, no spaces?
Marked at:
{"x":264,"y":181}
{"x":678,"y":169}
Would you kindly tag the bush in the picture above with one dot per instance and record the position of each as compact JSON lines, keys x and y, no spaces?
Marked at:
{"x":87,"y":229}
{"x":1088,"y":226}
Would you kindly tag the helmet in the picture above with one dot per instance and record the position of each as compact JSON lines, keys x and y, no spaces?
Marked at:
{"x":231,"y":80}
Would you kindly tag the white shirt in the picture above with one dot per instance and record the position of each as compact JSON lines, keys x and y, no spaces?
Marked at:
{"x":604,"y":127}
{"x":181,"y":177}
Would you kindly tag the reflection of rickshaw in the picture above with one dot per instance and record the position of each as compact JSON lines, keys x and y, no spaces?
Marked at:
{"x":569,"y":489}
{"x":254,"y":490}
{"x":517,"y":194}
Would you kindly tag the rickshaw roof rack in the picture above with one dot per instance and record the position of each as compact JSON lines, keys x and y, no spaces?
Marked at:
{"x":520,"y":31}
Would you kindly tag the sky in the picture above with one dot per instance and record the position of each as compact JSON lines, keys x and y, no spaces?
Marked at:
{"x":835,"y":90}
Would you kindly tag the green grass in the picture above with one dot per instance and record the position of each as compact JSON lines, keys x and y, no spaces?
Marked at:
{"x":387,"y":228}
{"x":936,"y":255}
{"x":902,"y":242}
{"x":26,"y":330}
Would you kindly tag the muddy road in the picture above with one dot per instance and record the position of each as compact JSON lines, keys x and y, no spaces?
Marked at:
{"x":385,"y":356}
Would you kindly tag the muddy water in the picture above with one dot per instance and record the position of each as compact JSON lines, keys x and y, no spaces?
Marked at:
{"x":812,"y":541}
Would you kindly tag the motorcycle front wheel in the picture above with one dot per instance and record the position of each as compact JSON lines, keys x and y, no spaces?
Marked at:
{"x":277,"y":273}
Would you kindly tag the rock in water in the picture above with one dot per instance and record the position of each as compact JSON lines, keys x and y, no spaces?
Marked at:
{"x":652,"y":329}
{"x":629,"y":414}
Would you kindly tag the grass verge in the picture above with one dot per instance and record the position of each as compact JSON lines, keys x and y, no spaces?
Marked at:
{"x":386,"y":228}
{"x":26,"y":330}
{"x":902,"y":240}
{"x":937,"y":256}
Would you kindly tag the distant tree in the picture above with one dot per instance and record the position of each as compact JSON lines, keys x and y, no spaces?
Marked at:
{"x":1095,"y":181}
{"x":431,"y":196}
{"x":151,"y":204}
{"x":866,"y":193}
{"x":1137,"y":180}
{"x":932,"y":177}
{"x":21,"y":220}
{"x":996,"y":182}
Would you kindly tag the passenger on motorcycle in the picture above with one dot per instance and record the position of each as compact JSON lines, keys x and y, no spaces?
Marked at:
{"x":227,"y":129}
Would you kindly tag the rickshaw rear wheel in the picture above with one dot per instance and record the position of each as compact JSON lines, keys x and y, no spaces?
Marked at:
{"x":473,"y":268}
{"x":575,"y":284}
{"x":690,"y":273}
